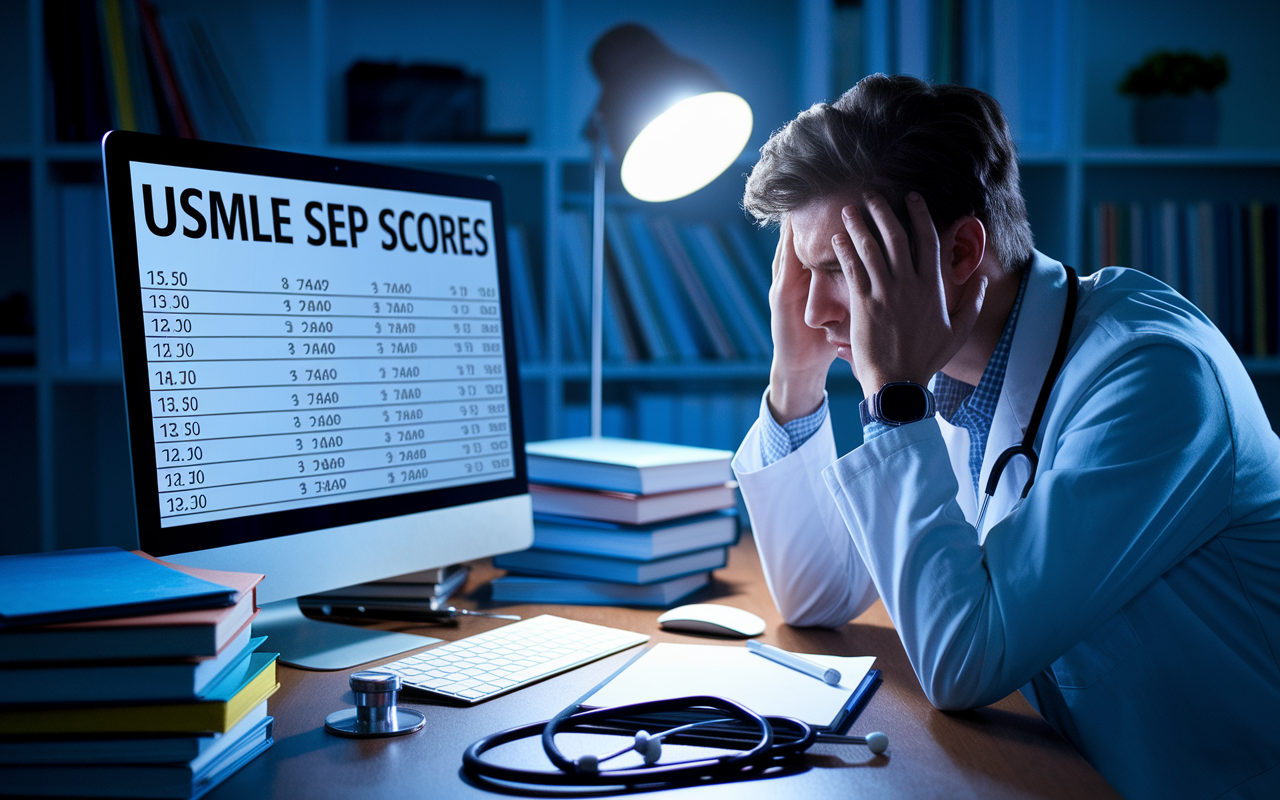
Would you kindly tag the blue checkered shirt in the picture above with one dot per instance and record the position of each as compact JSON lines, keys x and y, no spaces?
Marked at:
{"x":962,"y":405}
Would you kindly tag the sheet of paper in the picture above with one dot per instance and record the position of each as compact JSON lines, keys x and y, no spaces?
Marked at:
{"x":681,"y":670}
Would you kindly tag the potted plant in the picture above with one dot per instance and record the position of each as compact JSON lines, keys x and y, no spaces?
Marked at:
{"x":1174,"y":100}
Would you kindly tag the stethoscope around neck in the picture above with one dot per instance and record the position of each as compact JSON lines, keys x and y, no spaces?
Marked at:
{"x":1026,"y":449}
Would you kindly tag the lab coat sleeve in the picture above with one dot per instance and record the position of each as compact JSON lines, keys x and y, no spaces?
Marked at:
{"x":814,"y":574}
{"x":1140,"y":475}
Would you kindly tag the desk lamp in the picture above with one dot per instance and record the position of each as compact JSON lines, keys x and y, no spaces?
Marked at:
{"x":674,"y":127}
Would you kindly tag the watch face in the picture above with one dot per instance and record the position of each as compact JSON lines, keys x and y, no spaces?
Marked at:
{"x":903,"y":402}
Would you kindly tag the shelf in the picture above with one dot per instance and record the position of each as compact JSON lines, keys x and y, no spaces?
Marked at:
{"x":1266,"y":365}
{"x":19,"y":376}
{"x":1181,"y":157}
{"x":88,"y":377}
{"x":442,"y":153}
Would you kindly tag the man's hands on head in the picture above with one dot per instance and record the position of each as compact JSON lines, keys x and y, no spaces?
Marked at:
{"x":801,"y":354}
{"x":901,"y":327}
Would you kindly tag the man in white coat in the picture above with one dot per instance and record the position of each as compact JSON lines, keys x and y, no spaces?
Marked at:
{"x":1133,"y":595}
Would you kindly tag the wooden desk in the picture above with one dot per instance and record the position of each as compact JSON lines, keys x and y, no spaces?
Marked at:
{"x":1004,"y":750}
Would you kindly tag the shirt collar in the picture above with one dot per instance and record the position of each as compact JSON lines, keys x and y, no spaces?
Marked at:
{"x":951,"y":395}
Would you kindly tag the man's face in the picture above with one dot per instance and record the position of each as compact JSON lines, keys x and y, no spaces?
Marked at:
{"x":827,"y":309}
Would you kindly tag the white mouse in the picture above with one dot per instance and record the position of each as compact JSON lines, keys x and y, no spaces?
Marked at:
{"x":712,"y":618}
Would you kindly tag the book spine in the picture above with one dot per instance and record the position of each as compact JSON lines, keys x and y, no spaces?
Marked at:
{"x":1204,"y":261}
{"x":664,"y":233}
{"x":1137,"y":238}
{"x":1258,"y":264}
{"x":576,"y":270}
{"x":524,"y":299}
{"x":117,"y":63}
{"x":675,"y":313}
{"x":717,"y":291}
{"x":159,"y":53}
{"x":640,"y":300}
{"x":231,"y":106}
{"x":1271,"y":268}
{"x":744,"y":314}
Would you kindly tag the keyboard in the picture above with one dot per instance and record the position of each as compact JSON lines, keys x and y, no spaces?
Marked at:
{"x":508,"y":658}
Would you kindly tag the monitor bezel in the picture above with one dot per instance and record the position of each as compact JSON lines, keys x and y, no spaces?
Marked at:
{"x":119,"y":149}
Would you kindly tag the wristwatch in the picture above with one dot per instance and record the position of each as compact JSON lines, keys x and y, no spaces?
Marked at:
{"x":897,"y":403}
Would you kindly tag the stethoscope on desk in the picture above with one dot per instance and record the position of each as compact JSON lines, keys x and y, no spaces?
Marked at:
{"x":758,"y":744}
{"x":1026,"y":449}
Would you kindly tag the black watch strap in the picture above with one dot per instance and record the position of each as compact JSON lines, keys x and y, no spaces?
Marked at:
{"x":897,"y":403}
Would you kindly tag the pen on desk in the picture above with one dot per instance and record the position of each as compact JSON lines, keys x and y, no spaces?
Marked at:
{"x":810,"y":668}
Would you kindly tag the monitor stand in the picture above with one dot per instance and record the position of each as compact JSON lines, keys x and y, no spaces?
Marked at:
{"x":311,"y":644}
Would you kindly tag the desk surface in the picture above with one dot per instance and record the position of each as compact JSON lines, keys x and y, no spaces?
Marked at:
{"x":1004,"y":750}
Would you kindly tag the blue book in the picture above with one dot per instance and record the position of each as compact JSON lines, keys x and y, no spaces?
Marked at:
{"x":626,"y":465}
{"x":531,"y":589}
{"x":635,"y":542}
{"x":125,"y":681}
{"x":188,"y":780}
{"x":524,"y":297}
{"x":603,"y":568}
{"x":637,"y":292}
{"x":670,"y":304}
{"x":97,"y":582}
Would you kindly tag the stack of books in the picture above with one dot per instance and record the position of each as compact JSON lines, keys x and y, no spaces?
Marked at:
{"x":125,"y":676}
{"x":415,"y":592}
{"x":621,"y":522}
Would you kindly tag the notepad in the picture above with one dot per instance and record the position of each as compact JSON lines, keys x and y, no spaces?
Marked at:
{"x":770,"y":689}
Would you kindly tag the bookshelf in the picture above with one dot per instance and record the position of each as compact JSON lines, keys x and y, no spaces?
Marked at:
{"x":65,"y":480}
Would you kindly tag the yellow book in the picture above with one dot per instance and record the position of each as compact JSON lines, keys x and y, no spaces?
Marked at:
{"x":113,"y":28}
{"x":223,"y":706}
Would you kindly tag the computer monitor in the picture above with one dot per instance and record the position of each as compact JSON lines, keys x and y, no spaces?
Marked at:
{"x":319,"y":370}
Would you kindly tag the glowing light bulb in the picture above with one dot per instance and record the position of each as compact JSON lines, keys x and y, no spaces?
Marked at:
{"x":687,"y":146}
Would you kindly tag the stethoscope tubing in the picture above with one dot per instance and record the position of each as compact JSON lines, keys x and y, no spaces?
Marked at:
{"x":764,"y":751}
{"x":1026,"y":448}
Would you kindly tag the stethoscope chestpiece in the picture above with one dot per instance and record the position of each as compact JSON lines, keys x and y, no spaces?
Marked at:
{"x":375,"y":714}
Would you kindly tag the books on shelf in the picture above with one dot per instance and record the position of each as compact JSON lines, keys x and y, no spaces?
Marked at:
{"x":1223,"y":257}
{"x":120,"y":64}
{"x":527,"y":320}
{"x":675,"y":290}
{"x":535,"y":561}
{"x":633,"y":509}
{"x":534,"y":589}
{"x":635,"y":542}
{"x":626,"y":465}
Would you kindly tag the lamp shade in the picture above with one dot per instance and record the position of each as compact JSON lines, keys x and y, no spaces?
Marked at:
{"x":668,"y":118}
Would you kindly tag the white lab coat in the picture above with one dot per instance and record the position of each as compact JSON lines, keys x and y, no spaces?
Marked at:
{"x":1133,"y":596}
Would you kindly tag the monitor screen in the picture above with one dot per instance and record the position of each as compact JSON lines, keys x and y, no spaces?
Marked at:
{"x":308,"y":343}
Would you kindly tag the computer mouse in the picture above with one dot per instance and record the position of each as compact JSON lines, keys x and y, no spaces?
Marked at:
{"x":713,"y":619}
